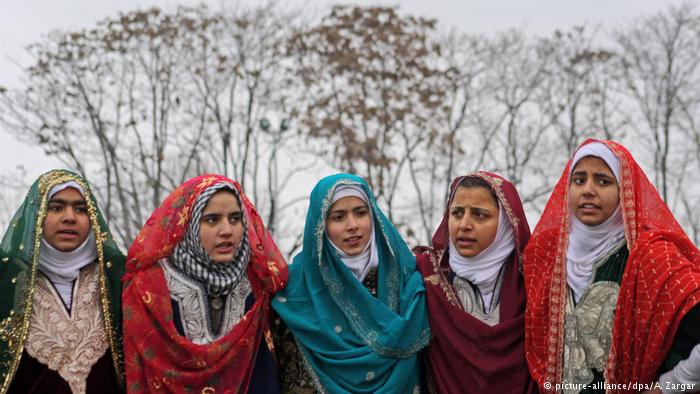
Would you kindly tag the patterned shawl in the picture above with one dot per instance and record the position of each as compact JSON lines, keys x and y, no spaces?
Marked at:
{"x":19,"y":253}
{"x":466,"y":353}
{"x":159,"y":359}
{"x":660,"y":283}
{"x":352,"y":341}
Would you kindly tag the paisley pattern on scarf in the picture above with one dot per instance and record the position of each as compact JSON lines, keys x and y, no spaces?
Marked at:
{"x":159,"y":358}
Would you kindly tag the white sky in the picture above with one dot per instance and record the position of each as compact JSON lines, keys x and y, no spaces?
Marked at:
{"x":23,"y":22}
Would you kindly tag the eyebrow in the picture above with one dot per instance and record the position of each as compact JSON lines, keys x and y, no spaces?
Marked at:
{"x":219,"y":213}
{"x":359,"y":206}
{"x":67,"y":202}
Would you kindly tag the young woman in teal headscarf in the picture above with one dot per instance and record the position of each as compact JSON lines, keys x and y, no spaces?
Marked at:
{"x":354,"y":304}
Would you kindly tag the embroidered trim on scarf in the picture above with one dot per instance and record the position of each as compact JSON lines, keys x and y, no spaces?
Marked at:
{"x":69,"y":345}
{"x":191,"y":298}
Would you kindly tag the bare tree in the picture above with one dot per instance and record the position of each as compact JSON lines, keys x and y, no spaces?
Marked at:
{"x":659,"y":57}
{"x":148,"y":99}
{"x":375,"y":92}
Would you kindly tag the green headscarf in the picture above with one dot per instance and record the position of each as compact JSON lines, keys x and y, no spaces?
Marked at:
{"x":352,"y":341}
{"x":19,"y":259}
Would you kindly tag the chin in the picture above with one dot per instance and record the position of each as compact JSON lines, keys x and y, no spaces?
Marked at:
{"x":468,"y":253}
{"x":222,"y":260}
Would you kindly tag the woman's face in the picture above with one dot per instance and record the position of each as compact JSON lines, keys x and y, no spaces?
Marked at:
{"x":349,"y":225}
{"x":473,"y":220}
{"x":221,"y":227}
{"x":67,"y":224}
{"x":593,"y":191}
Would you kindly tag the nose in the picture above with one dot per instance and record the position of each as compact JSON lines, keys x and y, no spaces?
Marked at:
{"x":589,"y":188}
{"x":465,"y":223}
{"x":68,"y":214}
{"x":226,"y":229}
{"x":352,"y":223}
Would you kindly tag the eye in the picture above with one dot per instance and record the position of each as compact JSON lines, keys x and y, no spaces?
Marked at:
{"x":457,"y":212}
{"x":210,"y":219}
{"x":55,"y":208}
{"x":578,"y":181}
{"x":235,"y":218}
{"x":336,"y":217}
{"x":81,"y":209}
{"x":361,"y":212}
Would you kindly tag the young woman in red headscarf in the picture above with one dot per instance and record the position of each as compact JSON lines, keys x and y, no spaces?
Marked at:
{"x":475,"y":290}
{"x":197,"y":292}
{"x":613,"y":282}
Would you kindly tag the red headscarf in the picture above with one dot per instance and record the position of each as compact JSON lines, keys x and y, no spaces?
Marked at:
{"x":466,"y":353}
{"x":158,"y":358}
{"x":660,"y":283}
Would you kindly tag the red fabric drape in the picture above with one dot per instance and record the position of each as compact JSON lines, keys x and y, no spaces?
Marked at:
{"x":660,"y":283}
{"x":465,"y":354}
{"x":157,"y":358}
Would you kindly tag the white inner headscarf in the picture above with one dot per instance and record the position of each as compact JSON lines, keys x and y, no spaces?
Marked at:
{"x":362,"y":263}
{"x":587,"y":244}
{"x":483,"y":269}
{"x":62,"y":268}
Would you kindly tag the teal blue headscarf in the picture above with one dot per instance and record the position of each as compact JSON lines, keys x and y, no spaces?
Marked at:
{"x":353,"y":341}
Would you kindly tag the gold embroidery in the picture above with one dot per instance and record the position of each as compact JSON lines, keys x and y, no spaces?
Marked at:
{"x":69,"y":345}
{"x":433,"y":279}
{"x":25,"y":301}
{"x":440,"y":279}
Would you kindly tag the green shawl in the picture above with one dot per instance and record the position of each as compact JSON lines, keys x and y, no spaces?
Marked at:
{"x":19,"y":259}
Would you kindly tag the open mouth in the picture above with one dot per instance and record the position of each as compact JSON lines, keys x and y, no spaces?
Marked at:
{"x":466,"y":241}
{"x":225,"y":247}
{"x":67,"y":234}
{"x":588,"y":208}
{"x":355,"y":239}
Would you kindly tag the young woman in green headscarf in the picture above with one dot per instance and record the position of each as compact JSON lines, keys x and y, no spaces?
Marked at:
{"x":354,"y":307}
{"x":60,"y":293}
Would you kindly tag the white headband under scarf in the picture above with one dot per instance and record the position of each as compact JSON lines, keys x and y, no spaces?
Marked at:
{"x":484,"y":268}
{"x":62,"y":268}
{"x":362,"y":263}
{"x":587,"y":244}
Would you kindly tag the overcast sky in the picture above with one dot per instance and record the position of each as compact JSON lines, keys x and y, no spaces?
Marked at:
{"x":25,"y":21}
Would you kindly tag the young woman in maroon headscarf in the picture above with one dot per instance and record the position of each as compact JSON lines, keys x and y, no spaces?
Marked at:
{"x":475,"y":291}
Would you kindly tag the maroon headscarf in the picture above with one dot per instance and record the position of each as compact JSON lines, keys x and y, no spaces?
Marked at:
{"x":466,"y":354}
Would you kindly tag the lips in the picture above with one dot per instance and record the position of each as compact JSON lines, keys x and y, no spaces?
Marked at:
{"x":465,"y":242}
{"x":588,"y":208}
{"x":224,"y":247}
{"x":67,"y":234}
{"x":353,"y":240}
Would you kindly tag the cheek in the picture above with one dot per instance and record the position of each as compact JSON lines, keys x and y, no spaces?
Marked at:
{"x":334,"y":230}
{"x":50,"y":223}
{"x":573,"y":196}
{"x":366,"y":225}
{"x":84,"y":223}
{"x":207,"y":237}
{"x":612,"y":200}
{"x":238,"y":234}
{"x":452,"y":227}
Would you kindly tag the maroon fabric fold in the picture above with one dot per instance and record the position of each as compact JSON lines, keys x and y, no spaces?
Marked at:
{"x":465,"y":354}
